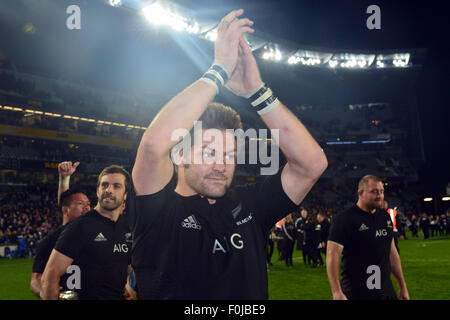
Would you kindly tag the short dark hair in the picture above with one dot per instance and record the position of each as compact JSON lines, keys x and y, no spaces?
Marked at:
{"x":365,"y":180}
{"x":66,"y":197}
{"x":220,"y":116}
{"x":216,"y":116}
{"x":116,"y":169}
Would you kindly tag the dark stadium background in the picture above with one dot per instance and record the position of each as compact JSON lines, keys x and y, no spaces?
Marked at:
{"x":116,"y":50}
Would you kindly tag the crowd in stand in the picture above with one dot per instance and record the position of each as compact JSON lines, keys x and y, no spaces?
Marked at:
{"x":26,"y":216}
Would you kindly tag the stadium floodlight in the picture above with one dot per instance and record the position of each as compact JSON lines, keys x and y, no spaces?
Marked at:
{"x":211,"y":35}
{"x":445,"y":198}
{"x":159,"y":14}
{"x":115,"y":3}
{"x":309,"y":58}
{"x":333,"y":63}
{"x":293,"y":60}
{"x":351,"y":60}
{"x":380,"y":64}
{"x":272,"y":52}
{"x":397,"y":60}
{"x":399,"y":63}
{"x":428,"y":199}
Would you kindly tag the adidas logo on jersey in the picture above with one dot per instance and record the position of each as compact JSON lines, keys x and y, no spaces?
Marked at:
{"x":363,"y":227}
{"x":191,"y":223}
{"x":100,"y":237}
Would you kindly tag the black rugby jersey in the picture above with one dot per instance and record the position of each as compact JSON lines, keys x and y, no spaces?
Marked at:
{"x":101,"y":248}
{"x":367,"y":239}
{"x":186,"y":248}
{"x":43,"y":251}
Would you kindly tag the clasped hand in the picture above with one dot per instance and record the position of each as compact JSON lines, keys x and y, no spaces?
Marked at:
{"x":232,"y":51}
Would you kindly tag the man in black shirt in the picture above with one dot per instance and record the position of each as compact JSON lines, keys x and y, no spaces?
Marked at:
{"x":424,"y":224}
{"x":300,"y":225}
{"x":324,"y":230}
{"x":72,"y":203}
{"x":95,"y":244}
{"x":364,"y":237}
{"x":289,"y":232}
{"x":205,"y":240}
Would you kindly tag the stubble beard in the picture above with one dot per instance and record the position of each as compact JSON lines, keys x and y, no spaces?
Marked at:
{"x":110,"y":207}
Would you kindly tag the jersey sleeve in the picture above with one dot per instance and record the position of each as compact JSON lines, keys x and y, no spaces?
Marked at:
{"x":71,"y":241}
{"x":144,"y":210}
{"x":272,"y":201}
{"x":43,"y":252}
{"x":340,"y":230}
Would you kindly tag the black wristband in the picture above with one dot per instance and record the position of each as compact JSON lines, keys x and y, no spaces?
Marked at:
{"x":258,"y":93}
{"x":213,"y":78}
{"x":221,"y":72}
{"x":265,"y":103}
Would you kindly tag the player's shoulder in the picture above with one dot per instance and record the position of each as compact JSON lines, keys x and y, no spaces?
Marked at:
{"x":383,"y":213}
{"x":50,"y":238}
{"x":346,"y":215}
{"x":82,"y":220}
{"x":349,"y":212}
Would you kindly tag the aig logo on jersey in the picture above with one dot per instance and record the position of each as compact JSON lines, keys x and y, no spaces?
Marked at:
{"x":381,"y":233}
{"x":235,"y":240}
{"x":120,"y":247}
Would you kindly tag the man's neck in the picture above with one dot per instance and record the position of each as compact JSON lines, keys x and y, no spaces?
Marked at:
{"x":112,"y":215}
{"x":365,"y":208}
{"x":188,"y":192}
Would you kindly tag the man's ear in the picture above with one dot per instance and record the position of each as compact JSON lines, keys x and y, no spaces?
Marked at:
{"x":176,"y":155}
{"x":65,"y":210}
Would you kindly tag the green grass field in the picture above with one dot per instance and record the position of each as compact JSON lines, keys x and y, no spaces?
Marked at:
{"x":426,"y":266}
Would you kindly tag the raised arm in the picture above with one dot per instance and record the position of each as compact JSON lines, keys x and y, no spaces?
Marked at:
{"x":306,"y":160}
{"x":65,"y":170}
{"x":153,"y":168}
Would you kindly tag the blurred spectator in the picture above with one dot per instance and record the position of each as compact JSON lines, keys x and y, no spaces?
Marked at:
{"x":434,"y":225}
{"x":424,"y":224}
{"x":414,"y":227}
{"x":289,"y":236}
{"x":26,"y":216}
